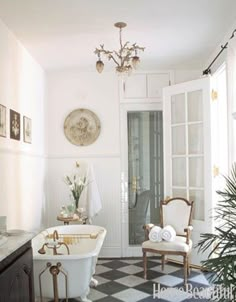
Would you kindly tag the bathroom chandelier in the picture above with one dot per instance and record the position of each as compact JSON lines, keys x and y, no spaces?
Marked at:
{"x":125,"y":59}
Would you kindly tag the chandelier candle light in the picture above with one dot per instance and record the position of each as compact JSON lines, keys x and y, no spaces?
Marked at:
{"x":126,"y":58}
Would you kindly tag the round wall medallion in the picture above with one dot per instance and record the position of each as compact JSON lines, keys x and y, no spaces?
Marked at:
{"x":82,"y":127}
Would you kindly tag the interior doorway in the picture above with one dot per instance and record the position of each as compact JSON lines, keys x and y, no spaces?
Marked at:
{"x":142,"y":171}
{"x":145,"y":170}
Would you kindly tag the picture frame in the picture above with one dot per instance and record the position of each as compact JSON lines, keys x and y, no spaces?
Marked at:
{"x":3,"y":117}
{"x":15,"y":128}
{"x":27,"y":130}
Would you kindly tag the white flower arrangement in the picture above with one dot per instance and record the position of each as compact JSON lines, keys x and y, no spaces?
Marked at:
{"x":76,"y":185}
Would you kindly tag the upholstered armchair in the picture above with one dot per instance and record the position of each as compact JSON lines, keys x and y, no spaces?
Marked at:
{"x":176,"y":212}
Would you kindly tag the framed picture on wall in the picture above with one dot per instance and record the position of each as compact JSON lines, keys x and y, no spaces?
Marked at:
{"x":14,"y":125}
{"x":3,"y":116}
{"x":27,"y":130}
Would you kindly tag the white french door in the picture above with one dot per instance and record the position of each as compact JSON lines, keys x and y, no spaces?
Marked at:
{"x":187,"y":151}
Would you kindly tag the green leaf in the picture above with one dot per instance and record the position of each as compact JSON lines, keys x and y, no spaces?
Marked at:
{"x":222,"y":257}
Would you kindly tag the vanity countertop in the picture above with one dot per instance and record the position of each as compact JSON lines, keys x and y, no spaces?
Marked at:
{"x":13,"y":242}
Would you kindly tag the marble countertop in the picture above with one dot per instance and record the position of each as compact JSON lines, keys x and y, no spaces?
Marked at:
{"x":12,"y":241}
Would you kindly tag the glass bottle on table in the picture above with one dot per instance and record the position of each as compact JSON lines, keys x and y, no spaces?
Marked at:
{"x":63,"y":212}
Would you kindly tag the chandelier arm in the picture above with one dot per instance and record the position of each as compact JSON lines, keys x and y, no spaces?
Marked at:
{"x":117,"y":54}
{"x":112,"y":57}
{"x":135,"y":47}
{"x":106,"y":52}
{"x":126,"y":58}
{"x":140,"y":48}
{"x":126,"y":44}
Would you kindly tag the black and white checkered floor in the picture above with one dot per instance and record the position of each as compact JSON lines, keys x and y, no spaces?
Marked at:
{"x":121,"y":280}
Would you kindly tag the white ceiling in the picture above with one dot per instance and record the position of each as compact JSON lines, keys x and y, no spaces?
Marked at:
{"x":64,"y":33}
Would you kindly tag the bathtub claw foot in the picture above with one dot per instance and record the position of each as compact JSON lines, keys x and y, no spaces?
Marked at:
{"x":93,"y":282}
{"x":85,"y":299}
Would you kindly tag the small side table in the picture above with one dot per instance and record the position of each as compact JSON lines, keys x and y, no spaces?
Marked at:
{"x":67,"y":220}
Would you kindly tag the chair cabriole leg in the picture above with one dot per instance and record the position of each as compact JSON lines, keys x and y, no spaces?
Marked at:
{"x":188,"y":266}
{"x":144,"y":265}
{"x":185,"y":270}
{"x":163,"y":262}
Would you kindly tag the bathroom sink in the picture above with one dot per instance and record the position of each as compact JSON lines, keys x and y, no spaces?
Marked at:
{"x":3,"y":239}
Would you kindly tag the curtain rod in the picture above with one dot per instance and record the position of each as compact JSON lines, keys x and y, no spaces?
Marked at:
{"x":223,"y":47}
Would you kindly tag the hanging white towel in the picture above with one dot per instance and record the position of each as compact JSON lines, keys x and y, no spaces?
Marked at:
{"x":155,"y":234}
{"x":90,"y":198}
{"x":168,"y":233}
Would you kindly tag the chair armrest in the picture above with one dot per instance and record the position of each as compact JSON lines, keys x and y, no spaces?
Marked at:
{"x":147,"y":228}
{"x":188,"y":230}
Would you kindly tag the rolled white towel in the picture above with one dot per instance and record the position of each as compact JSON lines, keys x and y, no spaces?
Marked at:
{"x":155,"y":234}
{"x":168,"y":233}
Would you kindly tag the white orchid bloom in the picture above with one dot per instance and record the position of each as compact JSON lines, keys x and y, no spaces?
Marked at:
{"x":81,"y":183}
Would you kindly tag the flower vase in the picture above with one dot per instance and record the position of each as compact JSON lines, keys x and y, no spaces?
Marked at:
{"x":71,"y":209}
{"x":76,"y":202}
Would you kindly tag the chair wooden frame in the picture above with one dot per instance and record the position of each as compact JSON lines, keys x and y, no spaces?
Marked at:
{"x":187,"y":235}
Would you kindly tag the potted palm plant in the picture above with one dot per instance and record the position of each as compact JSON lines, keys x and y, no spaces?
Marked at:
{"x":222,"y":258}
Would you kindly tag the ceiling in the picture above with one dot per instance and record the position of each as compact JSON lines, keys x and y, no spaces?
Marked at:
{"x":63,"y":34}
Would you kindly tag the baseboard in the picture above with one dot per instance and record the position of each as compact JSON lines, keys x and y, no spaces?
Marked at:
{"x":110,"y":252}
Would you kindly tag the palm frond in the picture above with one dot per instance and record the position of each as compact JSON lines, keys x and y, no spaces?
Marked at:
{"x":221,"y":260}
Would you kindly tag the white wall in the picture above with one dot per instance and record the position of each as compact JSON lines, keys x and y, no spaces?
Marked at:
{"x":68,"y":90}
{"x":184,"y":75}
{"x":22,"y":89}
{"x":99,"y":93}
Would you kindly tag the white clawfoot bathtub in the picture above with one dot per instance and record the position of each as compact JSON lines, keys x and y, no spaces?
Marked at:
{"x":79,"y":265}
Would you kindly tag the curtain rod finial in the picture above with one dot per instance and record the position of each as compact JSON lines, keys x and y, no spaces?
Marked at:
{"x":206,"y":71}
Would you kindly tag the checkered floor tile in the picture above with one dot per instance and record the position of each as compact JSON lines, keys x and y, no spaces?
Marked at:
{"x":121,"y":280}
{"x":125,"y":281}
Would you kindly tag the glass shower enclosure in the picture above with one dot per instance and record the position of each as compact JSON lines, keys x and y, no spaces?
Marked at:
{"x":145,"y":171}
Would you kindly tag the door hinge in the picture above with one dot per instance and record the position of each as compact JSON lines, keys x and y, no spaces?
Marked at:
{"x":134,"y":184}
{"x":216,"y":171}
{"x":214,"y":95}
{"x":124,"y":87}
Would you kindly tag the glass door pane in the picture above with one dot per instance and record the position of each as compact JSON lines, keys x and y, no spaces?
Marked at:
{"x":145,"y":170}
{"x":178,"y":108}
{"x":195,"y":139}
{"x":195,"y":112}
{"x":178,"y":140}
{"x":187,"y":148}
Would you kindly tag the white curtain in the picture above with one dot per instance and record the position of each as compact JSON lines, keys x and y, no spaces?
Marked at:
{"x":231,"y":79}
